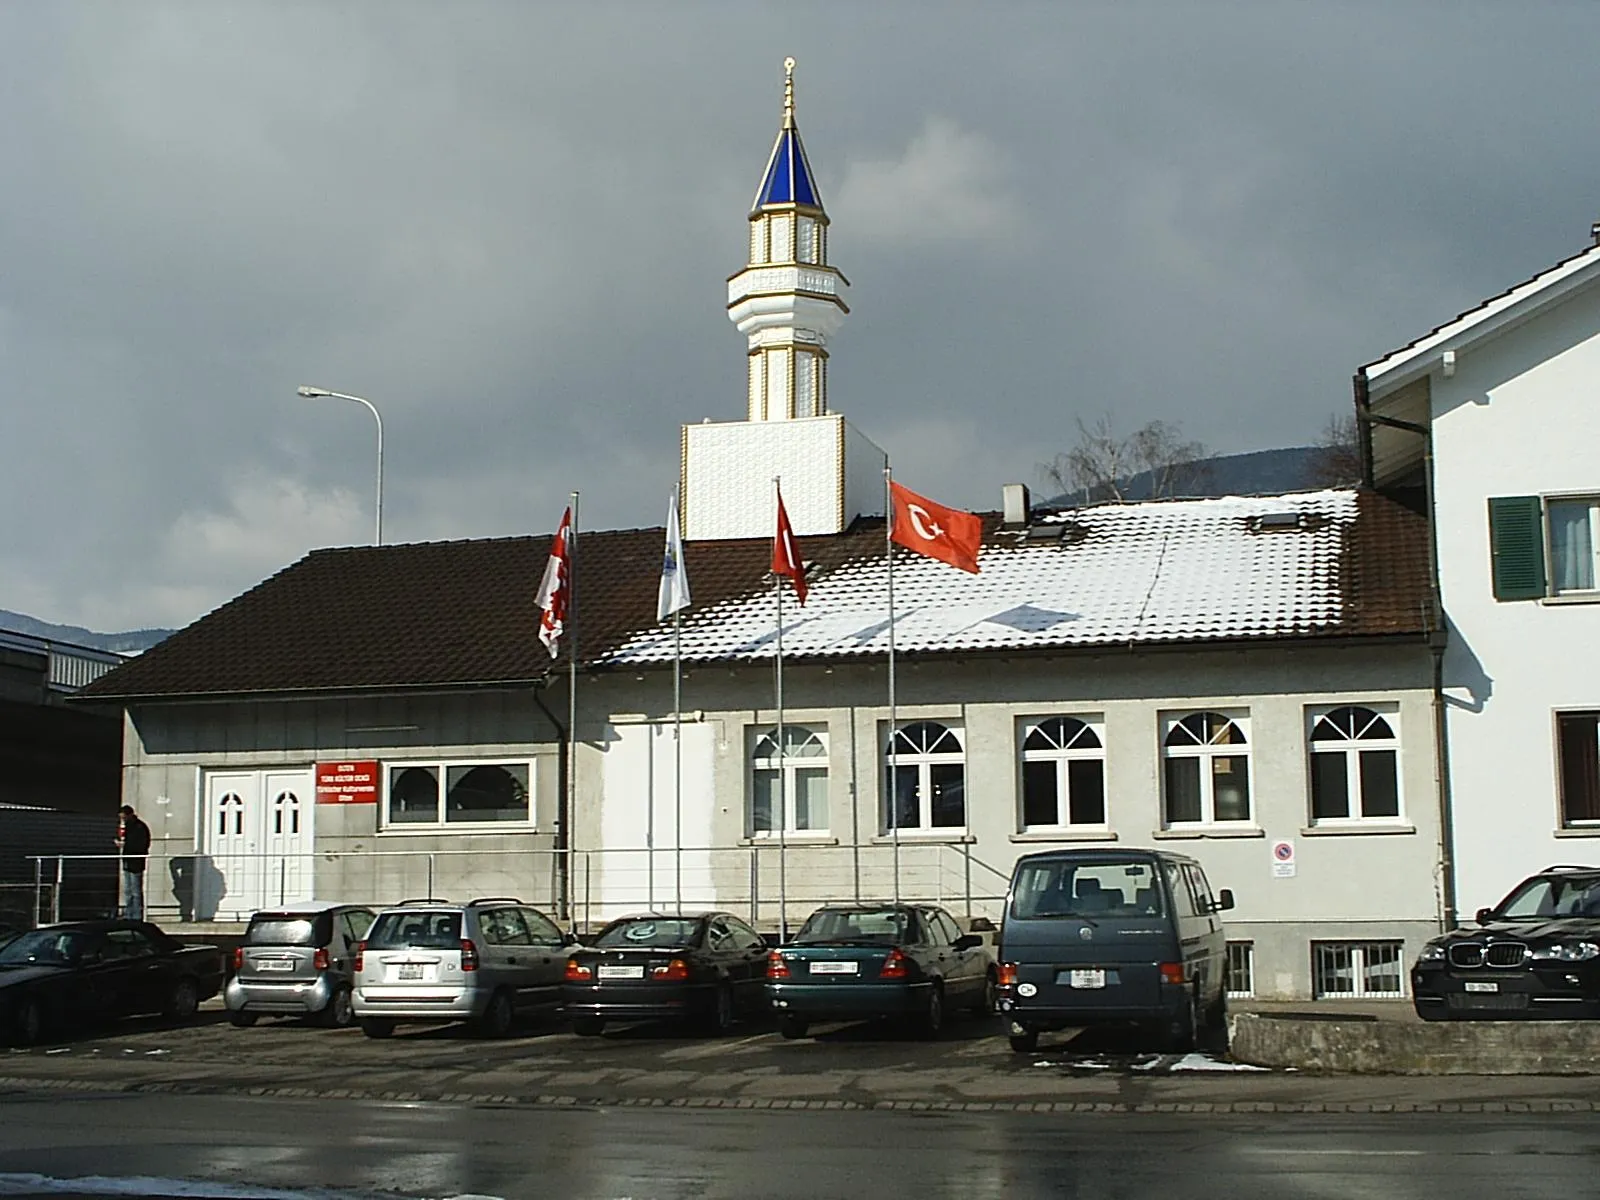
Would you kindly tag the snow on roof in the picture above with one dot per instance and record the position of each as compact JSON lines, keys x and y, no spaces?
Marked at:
{"x":1162,"y":571}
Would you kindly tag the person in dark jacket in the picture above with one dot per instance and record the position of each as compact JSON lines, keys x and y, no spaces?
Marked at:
{"x":135,"y":843}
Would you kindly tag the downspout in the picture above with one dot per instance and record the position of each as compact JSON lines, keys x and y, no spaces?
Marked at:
{"x":563,"y":836}
{"x":1438,"y":634}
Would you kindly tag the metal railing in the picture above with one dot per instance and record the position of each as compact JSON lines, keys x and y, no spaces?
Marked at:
{"x":747,"y":879}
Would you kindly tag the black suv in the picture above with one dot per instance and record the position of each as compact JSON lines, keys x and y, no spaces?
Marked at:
{"x":1535,"y":954}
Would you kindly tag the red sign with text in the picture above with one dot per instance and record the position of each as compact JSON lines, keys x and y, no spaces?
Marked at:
{"x":347,"y":783}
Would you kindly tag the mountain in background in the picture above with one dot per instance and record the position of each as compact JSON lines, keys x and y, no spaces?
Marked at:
{"x":135,"y":641}
{"x":1255,"y":473}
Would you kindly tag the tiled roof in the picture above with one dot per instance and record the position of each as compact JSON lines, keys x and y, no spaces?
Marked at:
{"x":1164,"y":572}
{"x":457,"y":614}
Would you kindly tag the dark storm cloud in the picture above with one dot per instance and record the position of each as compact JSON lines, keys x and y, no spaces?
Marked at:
{"x":509,"y":225}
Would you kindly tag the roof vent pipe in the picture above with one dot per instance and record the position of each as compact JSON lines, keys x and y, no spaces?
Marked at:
{"x":1015,"y":504}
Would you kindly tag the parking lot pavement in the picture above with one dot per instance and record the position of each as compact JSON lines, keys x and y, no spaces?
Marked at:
{"x":853,"y":1066}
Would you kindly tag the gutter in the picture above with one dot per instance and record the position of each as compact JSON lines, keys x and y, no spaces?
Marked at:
{"x":1438,"y":637}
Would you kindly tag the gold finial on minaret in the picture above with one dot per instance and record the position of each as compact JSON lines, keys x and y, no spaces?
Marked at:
{"x":788,"y":93}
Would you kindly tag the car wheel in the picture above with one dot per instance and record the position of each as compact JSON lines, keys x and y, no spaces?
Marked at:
{"x":340,"y":1012}
{"x":184,"y":1001}
{"x":377,"y":1027}
{"x":497,"y":1018}
{"x":1024,"y":1041}
{"x":1216,"y":1018}
{"x":1177,"y":1035}
{"x":30,"y":1023}
{"x":792,"y":1027}
{"x":242,"y":1020}
{"x":588,"y":1026}
{"x":720,"y":1019}
{"x":989,"y":998}
{"x":933,"y":1013}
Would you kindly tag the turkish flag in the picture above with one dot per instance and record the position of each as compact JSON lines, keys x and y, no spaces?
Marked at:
{"x":786,"y":555}
{"x":947,"y":534}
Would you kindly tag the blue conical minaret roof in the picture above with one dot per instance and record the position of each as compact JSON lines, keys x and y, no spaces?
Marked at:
{"x":788,"y":179}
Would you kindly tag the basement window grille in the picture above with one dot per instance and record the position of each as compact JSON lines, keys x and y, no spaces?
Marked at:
{"x":1358,"y":970}
{"x":1241,"y":970}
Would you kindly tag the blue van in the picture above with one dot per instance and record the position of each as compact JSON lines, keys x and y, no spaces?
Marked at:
{"x":1096,"y":937}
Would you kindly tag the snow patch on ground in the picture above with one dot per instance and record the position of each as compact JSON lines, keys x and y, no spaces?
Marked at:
{"x":1204,"y":1062}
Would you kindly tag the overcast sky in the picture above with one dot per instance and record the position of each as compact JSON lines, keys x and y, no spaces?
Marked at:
{"x":509,"y":224}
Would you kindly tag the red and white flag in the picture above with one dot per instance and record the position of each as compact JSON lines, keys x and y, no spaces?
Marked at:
{"x":786,"y":555}
{"x":555,"y":590}
{"x":947,"y":534}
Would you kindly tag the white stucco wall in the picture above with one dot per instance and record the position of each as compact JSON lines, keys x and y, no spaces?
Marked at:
{"x":1519,"y":417}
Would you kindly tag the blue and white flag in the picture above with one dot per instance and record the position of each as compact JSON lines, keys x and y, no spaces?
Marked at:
{"x":674,"y":594}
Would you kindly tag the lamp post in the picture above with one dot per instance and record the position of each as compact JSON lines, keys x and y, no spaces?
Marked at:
{"x":312,"y":393}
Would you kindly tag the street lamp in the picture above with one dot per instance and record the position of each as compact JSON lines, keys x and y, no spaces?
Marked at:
{"x":312,"y":393}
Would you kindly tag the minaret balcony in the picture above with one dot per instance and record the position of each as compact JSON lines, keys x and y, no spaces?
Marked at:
{"x":787,"y":296}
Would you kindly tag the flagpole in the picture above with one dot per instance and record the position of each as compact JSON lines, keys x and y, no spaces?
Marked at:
{"x":783,"y":775}
{"x":569,"y":801}
{"x":894,"y":799}
{"x":677,"y":756}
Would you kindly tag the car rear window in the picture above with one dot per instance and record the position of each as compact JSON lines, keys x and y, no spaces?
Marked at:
{"x":415,"y":931}
{"x":289,"y":929}
{"x":1098,"y":889}
{"x":652,"y":932}
{"x":886,"y":926}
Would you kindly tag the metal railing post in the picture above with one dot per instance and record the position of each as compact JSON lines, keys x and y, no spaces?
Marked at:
{"x":55,"y":900}
{"x":430,"y":875}
{"x":38,"y":887}
{"x":755,"y":886}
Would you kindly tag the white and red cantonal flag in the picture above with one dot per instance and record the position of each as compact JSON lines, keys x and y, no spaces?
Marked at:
{"x":556,"y":588}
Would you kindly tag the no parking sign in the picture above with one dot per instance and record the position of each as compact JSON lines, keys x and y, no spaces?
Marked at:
{"x":1283,"y":860}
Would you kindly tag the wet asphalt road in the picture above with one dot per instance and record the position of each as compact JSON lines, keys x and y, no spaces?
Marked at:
{"x":441,"y":1150}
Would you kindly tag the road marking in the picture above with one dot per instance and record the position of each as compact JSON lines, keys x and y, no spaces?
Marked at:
{"x":1279,"y":1152}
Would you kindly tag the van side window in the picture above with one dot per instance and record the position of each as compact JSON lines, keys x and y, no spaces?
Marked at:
{"x":1202,"y":889}
{"x":1178,"y":885}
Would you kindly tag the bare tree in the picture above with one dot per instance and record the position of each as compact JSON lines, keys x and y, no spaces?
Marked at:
{"x":1153,"y":461}
{"x":1338,"y":461}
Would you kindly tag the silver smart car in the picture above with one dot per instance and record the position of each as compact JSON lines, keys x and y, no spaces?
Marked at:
{"x":297,"y":962}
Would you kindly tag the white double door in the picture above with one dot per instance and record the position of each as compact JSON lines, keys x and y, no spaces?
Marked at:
{"x":258,"y":842}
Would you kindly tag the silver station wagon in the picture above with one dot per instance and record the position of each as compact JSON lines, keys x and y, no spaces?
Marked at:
{"x":484,"y":962}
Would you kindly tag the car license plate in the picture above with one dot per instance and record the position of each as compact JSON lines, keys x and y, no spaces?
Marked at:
{"x":1473,"y":985}
{"x":274,"y":964}
{"x":409,"y":971}
{"x":835,"y":968}
{"x":621,"y":973}
{"x":1086,"y":978}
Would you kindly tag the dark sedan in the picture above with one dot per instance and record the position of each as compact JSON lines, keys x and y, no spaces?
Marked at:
{"x":707,"y":967}
{"x":72,"y":975}
{"x":856,"y":962}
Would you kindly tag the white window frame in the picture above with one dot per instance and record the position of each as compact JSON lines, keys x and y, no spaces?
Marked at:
{"x":1241,"y":961}
{"x":924,"y":761}
{"x":1239,"y":718}
{"x":1357,"y":961}
{"x":1077,"y":750}
{"x":1552,"y":587}
{"x":1351,"y":749}
{"x":389,"y":768}
{"x":790,"y":765}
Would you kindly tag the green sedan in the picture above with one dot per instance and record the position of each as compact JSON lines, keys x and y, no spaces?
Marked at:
{"x":863,"y":961}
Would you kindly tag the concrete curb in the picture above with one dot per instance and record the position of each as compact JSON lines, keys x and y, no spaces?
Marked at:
{"x":548,"y":1101}
{"x":1371,"y":1047}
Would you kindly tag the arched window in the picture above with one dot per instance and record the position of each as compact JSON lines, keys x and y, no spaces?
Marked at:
{"x":1354,"y":765}
{"x":286,"y":813}
{"x":789,"y":789}
{"x":230,"y":815}
{"x":413,"y":795}
{"x":1063,"y":775}
{"x":1207,"y":775}
{"x":927,"y":778}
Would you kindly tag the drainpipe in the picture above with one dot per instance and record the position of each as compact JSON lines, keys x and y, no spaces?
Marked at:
{"x":1438,"y":634}
{"x":563,"y":836}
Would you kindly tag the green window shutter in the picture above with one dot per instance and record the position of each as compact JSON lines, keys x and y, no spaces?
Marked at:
{"x":1516,"y":547}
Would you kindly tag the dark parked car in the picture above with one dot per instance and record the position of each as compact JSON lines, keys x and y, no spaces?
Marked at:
{"x":694,"y":966}
{"x":68,"y":976}
{"x":297,"y":963}
{"x":1535,"y":954}
{"x":855,"y":962}
{"x":1095,"y":937}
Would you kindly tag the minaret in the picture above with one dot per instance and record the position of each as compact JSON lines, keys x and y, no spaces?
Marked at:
{"x":788,"y":299}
